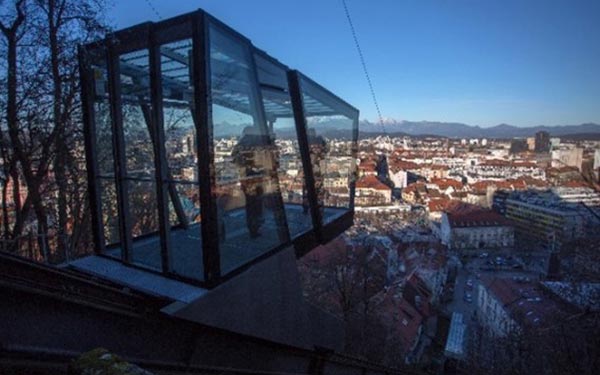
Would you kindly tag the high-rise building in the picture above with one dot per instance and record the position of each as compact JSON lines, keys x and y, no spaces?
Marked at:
{"x":542,"y":141}
{"x":554,"y":217}
{"x":518,"y":145}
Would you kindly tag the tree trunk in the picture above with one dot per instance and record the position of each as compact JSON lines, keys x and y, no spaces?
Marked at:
{"x":55,"y":12}
{"x":10,"y":33}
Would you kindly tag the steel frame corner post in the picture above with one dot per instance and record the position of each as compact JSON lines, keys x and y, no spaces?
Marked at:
{"x":204,"y":134}
{"x":114,"y":87}
{"x":354,"y":151}
{"x":160,"y":163}
{"x":89,"y":131}
{"x":300,"y":120}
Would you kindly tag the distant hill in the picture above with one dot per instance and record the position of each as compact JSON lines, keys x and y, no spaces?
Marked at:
{"x":337,"y":129}
{"x":459,"y":130}
{"x":582,"y":137}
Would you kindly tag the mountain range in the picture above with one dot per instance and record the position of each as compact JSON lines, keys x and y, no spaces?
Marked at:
{"x":460,"y":130}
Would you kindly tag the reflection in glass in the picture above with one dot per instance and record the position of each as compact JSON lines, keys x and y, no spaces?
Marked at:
{"x":182,"y":159}
{"x":330,"y":130}
{"x":248,"y":150}
{"x":110,"y":218}
{"x":104,"y":149}
{"x":282,"y":127}
{"x":138,"y":136}
{"x":251,"y":220}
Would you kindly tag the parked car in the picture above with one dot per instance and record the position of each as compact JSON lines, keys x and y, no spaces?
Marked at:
{"x":483,"y":255}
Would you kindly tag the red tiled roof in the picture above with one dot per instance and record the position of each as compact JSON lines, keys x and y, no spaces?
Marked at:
{"x":525,"y":301}
{"x":367,"y":167}
{"x":524,"y":164}
{"x":414,"y":187}
{"x":575,"y":184}
{"x":371,"y":182}
{"x":530,"y":181}
{"x":443,"y":204}
{"x":477,"y":218}
{"x":459,"y":207}
{"x":520,"y":183}
{"x":439,"y":167}
{"x":459,"y":194}
{"x":445,"y":183}
{"x":438,"y":205}
{"x":434,"y":193}
{"x":481,"y":185}
{"x":402,"y":165}
{"x":402,"y":319}
{"x":495,"y":163}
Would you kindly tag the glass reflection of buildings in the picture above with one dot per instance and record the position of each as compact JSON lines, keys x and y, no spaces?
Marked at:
{"x":172,"y":176}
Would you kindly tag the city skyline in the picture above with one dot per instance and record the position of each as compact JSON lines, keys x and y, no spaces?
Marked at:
{"x":174,"y":193}
{"x":524,"y":64}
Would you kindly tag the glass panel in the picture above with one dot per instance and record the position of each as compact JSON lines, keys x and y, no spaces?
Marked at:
{"x":330,"y":130}
{"x":136,"y":110}
{"x":280,"y":119}
{"x":182,"y":159}
{"x":251,"y":220}
{"x":139,"y":154}
{"x":110,"y":215}
{"x":144,"y":219}
{"x":104,"y":148}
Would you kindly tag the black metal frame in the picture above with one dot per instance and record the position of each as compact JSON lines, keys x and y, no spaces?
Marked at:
{"x":150,"y":37}
{"x":324,"y":232}
{"x":122,"y":184}
{"x":160,"y":161}
{"x":89,"y":131}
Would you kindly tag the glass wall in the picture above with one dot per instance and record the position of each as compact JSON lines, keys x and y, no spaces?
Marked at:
{"x":273,"y":82}
{"x":138,"y":139}
{"x":181,"y":151}
{"x":167,"y":132}
{"x":104,"y":148}
{"x":332,"y":131}
{"x":250,"y":214}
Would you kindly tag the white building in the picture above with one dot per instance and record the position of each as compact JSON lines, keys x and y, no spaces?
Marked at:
{"x":399,"y":177}
{"x":567,"y":157}
{"x":506,"y":305}
{"x":370,"y":191}
{"x":476,"y":229}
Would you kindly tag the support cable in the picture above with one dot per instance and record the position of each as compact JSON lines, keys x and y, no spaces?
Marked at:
{"x":364,"y":66}
{"x":149,"y":2}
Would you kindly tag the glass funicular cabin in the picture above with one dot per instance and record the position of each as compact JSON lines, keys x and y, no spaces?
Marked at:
{"x":206,"y":155}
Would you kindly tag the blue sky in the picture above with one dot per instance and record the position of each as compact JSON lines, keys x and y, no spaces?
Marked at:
{"x":481,"y":62}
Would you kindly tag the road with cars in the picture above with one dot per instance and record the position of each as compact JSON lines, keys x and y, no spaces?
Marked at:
{"x":470,"y":272}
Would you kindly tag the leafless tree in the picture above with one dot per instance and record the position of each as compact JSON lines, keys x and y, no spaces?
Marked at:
{"x":348,"y":281}
{"x":568,"y":346}
{"x":44,"y":145}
